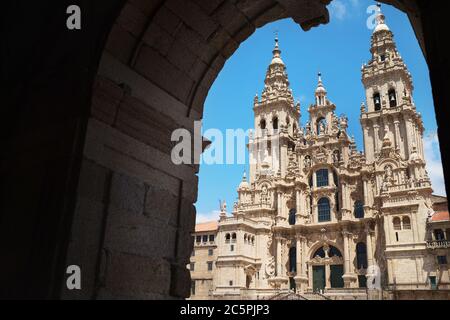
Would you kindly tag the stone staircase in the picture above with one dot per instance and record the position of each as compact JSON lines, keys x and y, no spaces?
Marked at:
{"x":315,"y":296}
{"x":291,"y":295}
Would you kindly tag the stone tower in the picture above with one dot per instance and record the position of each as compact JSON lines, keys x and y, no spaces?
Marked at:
{"x":393,"y":132}
{"x":391,"y":113}
{"x":276,"y":120}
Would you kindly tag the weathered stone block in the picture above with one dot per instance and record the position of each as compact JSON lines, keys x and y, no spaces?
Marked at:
{"x":121,"y":43}
{"x":155,"y":67}
{"x":92,"y":181}
{"x":145,"y":124}
{"x":106,"y":99}
{"x":132,"y":19}
{"x":127,"y":193}
{"x":158,"y":39}
{"x":140,"y":235}
{"x":167,"y":20}
{"x":136,"y":276}
{"x":193,"y":16}
{"x":161,"y":204}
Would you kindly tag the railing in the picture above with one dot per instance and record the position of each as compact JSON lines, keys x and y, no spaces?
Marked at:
{"x":261,"y":205}
{"x":409,"y":186}
{"x":438,"y":244}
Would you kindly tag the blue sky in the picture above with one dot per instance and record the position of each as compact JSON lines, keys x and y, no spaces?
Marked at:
{"x":338,"y":50}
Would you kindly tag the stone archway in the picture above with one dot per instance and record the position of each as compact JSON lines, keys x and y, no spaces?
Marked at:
{"x":92,"y":139}
{"x":326,"y":268}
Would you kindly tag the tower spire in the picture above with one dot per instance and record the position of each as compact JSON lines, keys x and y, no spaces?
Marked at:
{"x":276,"y":59}
{"x":381,"y":21}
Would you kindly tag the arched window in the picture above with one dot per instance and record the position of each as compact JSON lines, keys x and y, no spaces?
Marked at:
{"x":319,"y":252}
{"x":392,"y":98}
{"x":406,"y":223}
{"x":275,"y":123}
{"x":227,"y":237}
{"x":358,"y":210}
{"x":439,"y":234}
{"x":361,"y":256}
{"x":323,"y":206}
{"x":322,"y":177}
{"x":332,"y":251}
{"x":245,"y":238}
{"x":233,"y":237}
{"x":292,"y":214}
{"x":293,"y":259}
{"x":397,"y":223}
{"x":377,"y":101}
{"x":262,"y":124}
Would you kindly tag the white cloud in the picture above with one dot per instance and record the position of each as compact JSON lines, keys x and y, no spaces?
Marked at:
{"x":338,"y":9}
{"x":434,"y":162}
{"x":204,"y":217}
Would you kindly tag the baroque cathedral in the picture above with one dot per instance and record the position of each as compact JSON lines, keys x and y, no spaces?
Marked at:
{"x":316,"y":216}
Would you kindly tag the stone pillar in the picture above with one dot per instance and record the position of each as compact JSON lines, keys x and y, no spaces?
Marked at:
{"x":369,"y":247}
{"x":314,"y":180}
{"x":327,"y":276}
{"x":346,"y":253}
{"x":409,"y":135}
{"x":279,"y":264}
{"x":348,"y":273}
{"x":398,"y":144}
{"x":283,"y":158}
{"x":279,"y":207}
{"x":369,"y":154}
{"x":331,"y":181}
{"x":299,"y":255}
{"x":344,"y":197}
{"x":301,"y":280}
{"x":366,"y":192}
{"x":376,"y":137}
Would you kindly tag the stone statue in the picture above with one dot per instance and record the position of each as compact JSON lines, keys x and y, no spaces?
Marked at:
{"x":321,"y":128}
{"x":307,"y":162}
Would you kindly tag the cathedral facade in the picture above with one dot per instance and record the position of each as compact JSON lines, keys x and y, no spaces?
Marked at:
{"x":315,"y":215}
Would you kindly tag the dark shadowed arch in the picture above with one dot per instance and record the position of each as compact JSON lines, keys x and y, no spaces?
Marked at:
{"x":87,"y":122}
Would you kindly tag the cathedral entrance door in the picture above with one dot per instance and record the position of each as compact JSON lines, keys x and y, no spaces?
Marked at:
{"x":318,"y":278}
{"x":336,"y":273}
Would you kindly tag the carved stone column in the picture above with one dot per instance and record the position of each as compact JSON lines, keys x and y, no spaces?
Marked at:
{"x":279,"y":207}
{"x":298,"y":206}
{"x":376,"y":137}
{"x":301,"y":279}
{"x":410,"y":136}
{"x":369,"y":246}
{"x":349,"y":276}
{"x":398,"y":144}
{"x":279,"y":263}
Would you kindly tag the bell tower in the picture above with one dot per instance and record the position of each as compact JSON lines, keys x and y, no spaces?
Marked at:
{"x":322,"y":112}
{"x":276,"y":120}
{"x":390,"y":113}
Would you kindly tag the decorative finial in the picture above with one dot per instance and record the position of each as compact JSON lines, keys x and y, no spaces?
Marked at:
{"x":380,"y":16}
{"x":244,"y":177}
